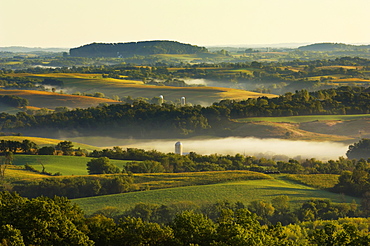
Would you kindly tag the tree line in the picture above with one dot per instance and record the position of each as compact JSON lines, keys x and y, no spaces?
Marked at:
{"x":141,"y":119}
{"x":56,"y":221}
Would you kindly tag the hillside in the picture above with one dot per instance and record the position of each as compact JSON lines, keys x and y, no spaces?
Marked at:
{"x":91,"y":83}
{"x":331,"y":47}
{"x":50,"y":100}
{"x":143,"y":48}
{"x":243,"y":191}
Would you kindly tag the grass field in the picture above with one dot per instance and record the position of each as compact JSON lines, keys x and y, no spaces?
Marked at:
{"x":244,"y":191}
{"x":305,"y":118}
{"x":66,"y":165}
{"x":47,"y":142}
{"x":91,"y":83}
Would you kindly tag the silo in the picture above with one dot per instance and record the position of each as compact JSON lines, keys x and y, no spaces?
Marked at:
{"x":183,"y":102}
{"x":178,"y":148}
{"x":161,"y":99}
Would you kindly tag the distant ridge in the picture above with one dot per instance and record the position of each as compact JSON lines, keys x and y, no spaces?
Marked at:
{"x":332,"y":47}
{"x":17,"y":49}
{"x":142,"y":48}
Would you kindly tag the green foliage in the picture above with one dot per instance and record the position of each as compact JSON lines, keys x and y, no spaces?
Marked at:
{"x":10,"y":236}
{"x":13,"y":101}
{"x":359,"y":150}
{"x":46,"y":150}
{"x":101,"y":165}
{"x":41,"y":221}
{"x":26,"y":146}
{"x":76,"y":187}
{"x":66,"y":147}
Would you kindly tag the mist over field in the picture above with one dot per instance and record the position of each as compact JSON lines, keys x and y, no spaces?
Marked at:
{"x":271,"y":148}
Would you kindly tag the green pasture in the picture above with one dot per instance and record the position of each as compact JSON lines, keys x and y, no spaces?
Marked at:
{"x":305,"y":118}
{"x":243,"y":191}
{"x":66,"y":165}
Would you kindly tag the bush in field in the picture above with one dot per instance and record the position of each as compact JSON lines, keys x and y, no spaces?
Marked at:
{"x":101,"y":166}
{"x":46,"y":150}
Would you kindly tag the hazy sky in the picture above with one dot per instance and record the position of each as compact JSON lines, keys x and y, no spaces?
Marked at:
{"x":72,"y":23}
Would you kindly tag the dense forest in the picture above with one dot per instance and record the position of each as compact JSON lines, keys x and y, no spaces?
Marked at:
{"x":56,"y":221}
{"x":143,"y":48}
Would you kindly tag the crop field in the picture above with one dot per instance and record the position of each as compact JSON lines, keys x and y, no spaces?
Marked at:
{"x":91,"y":83}
{"x":66,"y":165}
{"x":320,"y":181}
{"x":44,"y":99}
{"x":305,"y":118}
{"x":243,"y":191}
{"x":170,"y":180}
{"x":17,"y":173}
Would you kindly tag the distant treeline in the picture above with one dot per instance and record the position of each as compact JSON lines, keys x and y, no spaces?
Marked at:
{"x":142,"y":119}
{"x":13,"y":101}
{"x":143,"y":48}
{"x":76,"y":187}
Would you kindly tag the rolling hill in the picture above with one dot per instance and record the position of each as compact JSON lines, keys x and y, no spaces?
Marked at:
{"x":243,"y":191}
{"x":91,"y":83}
{"x":50,"y":100}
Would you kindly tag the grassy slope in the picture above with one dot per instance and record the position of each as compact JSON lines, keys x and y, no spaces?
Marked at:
{"x":345,"y":128}
{"x":67,"y":165}
{"x":244,"y":191}
{"x":47,"y":141}
{"x":90,"y":83}
{"x":43,"y":99}
{"x":266,"y":129}
{"x":305,"y":118}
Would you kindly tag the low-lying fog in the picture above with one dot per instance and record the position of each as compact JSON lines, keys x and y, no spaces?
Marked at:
{"x":277,"y":148}
{"x":227,"y":84}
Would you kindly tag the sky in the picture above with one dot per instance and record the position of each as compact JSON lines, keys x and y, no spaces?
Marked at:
{"x":73,"y":23}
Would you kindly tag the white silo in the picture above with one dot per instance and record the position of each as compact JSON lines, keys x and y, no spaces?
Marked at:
{"x":183,"y":101}
{"x":178,"y":148}
{"x":161,"y":99}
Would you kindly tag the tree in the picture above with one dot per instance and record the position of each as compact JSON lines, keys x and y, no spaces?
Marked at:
{"x":41,"y":221}
{"x":359,"y":150}
{"x":28,"y":147}
{"x":46,"y":150}
{"x":193,"y":228}
{"x":66,"y":147}
{"x":101,"y":165}
{"x":10,"y":236}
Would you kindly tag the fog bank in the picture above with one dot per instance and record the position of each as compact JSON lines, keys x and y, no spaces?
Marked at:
{"x":278,"y":148}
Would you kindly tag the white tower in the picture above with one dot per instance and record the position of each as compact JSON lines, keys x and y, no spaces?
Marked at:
{"x":178,"y":148}
{"x":183,"y":101}
{"x":161,"y":99}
